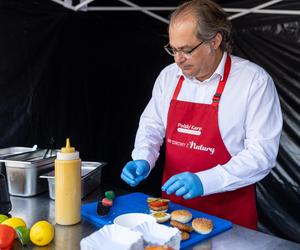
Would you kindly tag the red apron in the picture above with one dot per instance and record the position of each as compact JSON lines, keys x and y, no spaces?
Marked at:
{"x":194,"y":143}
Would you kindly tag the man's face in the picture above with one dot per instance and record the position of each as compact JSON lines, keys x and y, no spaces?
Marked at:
{"x":182,"y":35}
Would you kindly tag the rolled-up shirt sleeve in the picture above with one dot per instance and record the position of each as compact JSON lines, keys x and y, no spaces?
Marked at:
{"x":151,"y":130}
{"x":262,"y":125}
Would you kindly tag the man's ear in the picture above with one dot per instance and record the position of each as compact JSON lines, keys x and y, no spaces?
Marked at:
{"x":216,"y":41}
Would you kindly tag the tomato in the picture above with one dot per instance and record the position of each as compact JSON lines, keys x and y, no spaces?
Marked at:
{"x":7,"y":236}
{"x":158,"y":203}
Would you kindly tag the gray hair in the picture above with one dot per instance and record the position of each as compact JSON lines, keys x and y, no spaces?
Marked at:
{"x":210,"y":18}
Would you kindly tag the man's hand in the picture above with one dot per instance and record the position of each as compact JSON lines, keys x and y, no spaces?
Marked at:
{"x":187,"y":184}
{"x":135,"y":171}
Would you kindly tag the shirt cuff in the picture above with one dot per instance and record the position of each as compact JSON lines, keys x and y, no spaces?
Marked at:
{"x":147,"y":157}
{"x":212,"y":180}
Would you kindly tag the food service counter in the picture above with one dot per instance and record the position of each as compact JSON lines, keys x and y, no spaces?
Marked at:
{"x":41,"y":207}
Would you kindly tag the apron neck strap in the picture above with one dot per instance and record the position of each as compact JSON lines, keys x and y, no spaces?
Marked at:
{"x":221,"y":85}
{"x":178,"y":87}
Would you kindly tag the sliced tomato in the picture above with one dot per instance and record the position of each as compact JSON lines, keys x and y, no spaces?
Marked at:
{"x":158,"y":203}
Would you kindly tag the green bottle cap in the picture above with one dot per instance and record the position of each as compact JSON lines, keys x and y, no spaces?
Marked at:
{"x":110,"y":195}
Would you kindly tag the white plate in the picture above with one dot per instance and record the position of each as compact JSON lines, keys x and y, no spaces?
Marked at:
{"x":131,"y":220}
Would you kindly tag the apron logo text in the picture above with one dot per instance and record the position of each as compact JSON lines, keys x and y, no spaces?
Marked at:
{"x":192,"y":145}
{"x":188,"y":129}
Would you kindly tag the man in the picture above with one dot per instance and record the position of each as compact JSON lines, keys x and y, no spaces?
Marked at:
{"x":220,"y":116}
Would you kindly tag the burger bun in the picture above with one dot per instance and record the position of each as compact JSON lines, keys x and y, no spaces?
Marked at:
{"x":182,"y":216}
{"x":161,"y":217}
{"x":158,"y":248}
{"x":202,"y":225}
{"x":158,"y":204}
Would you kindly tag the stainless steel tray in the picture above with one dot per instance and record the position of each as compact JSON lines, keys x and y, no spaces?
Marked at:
{"x":23,"y":171}
{"x":31,"y":159}
{"x":5,"y":152}
{"x":90,"y":178}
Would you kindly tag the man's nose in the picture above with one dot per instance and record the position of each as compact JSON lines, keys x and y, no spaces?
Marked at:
{"x":179,"y":57}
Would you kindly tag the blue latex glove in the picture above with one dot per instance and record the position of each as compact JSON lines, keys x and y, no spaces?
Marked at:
{"x":187,"y":184}
{"x":135,"y":171}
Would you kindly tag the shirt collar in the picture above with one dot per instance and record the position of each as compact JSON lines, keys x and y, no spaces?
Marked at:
{"x":220,"y":69}
{"x":218,"y":72}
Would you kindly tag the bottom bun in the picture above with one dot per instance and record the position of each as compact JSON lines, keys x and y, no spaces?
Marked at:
{"x":158,"y":211}
{"x":158,"y":248}
{"x":202,"y":225}
{"x":161,"y":217}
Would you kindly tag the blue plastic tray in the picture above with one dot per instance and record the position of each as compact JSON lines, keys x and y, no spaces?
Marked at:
{"x":137,"y":203}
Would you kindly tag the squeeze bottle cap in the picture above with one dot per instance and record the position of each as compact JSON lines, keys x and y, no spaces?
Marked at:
{"x":68,"y":148}
{"x":68,"y":152}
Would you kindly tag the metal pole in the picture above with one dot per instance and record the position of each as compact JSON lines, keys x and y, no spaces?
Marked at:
{"x":149,"y":13}
{"x":117,"y":8}
{"x":254,"y":8}
{"x":82,"y":4}
{"x":66,"y":4}
{"x":266,"y":11}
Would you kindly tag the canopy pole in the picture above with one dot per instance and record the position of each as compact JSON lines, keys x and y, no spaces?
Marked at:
{"x":149,"y":13}
{"x":146,"y":9}
{"x":266,"y":11}
{"x":82,"y":4}
{"x":254,"y":8}
{"x":65,"y":3}
{"x":120,"y":8}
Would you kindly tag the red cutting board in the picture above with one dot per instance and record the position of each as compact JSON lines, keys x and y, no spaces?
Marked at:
{"x":137,"y":203}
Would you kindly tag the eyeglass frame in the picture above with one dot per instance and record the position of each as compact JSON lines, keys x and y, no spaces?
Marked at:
{"x":185,"y":54}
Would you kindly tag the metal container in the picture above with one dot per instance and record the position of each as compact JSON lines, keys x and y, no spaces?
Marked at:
{"x":23,"y":171}
{"x":90,"y":178}
{"x":5,"y":152}
{"x":5,"y":204}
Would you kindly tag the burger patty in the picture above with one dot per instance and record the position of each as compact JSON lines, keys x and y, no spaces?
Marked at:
{"x":155,"y":208}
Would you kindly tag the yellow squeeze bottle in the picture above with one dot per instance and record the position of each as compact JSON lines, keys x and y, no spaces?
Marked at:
{"x":67,"y":186}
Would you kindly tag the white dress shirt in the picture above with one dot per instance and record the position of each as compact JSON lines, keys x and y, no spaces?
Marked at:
{"x":250,"y":121}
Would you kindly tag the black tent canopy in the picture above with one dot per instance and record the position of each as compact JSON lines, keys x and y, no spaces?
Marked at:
{"x":85,"y":68}
{"x":238,"y":8}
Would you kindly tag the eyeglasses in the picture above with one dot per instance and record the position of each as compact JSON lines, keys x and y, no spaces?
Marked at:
{"x":186,"y":53}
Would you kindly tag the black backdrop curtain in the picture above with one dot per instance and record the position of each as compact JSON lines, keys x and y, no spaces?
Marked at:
{"x":273,"y":41}
{"x":88,"y":76}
